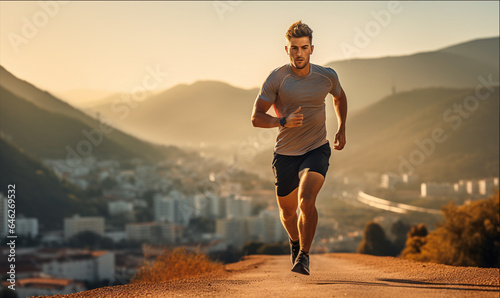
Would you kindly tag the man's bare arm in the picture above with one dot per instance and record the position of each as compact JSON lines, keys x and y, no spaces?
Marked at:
{"x":340,"y":103}
{"x":260,"y":117}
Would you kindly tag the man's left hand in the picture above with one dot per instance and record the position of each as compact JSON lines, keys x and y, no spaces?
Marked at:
{"x":339,"y":141}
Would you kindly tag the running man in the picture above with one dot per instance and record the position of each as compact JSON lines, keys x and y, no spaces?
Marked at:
{"x":301,"y":154}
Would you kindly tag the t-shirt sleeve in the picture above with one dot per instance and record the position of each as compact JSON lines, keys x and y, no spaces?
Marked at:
{"x":336,"y":88}
{"x":269,"y":89}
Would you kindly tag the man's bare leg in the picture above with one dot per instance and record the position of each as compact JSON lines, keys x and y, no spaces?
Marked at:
{"x":309,"y":187}
{"x":288,"y":213}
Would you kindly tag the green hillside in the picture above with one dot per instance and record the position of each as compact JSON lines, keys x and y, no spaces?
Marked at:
{"x":47,"y":134}
{"x":46,"y":102}
{"x":381,"y":136}
{"x":38,"y":190}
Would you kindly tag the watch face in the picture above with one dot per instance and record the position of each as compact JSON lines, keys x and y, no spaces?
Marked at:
{"x":283,"y":121}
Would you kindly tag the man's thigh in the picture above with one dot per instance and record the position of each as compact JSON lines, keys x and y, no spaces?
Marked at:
{"x":286,"y":173}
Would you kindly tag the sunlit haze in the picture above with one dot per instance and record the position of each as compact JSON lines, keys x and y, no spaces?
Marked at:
{"x":111,"y":45}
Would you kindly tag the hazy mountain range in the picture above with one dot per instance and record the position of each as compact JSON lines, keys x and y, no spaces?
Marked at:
{"x":217,"y":113}
{"x":369,"y":80}
{"x":383,"y":124}
{"x":45,"y":126}
{"x":207,"y":111}
{"x":426,"y":85}
{"x":425,"y":131}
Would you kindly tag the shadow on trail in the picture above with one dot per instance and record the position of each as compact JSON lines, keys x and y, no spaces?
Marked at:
{"x":406,"y":283}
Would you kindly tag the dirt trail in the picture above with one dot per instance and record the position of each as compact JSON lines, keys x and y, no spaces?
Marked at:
{"x":332,"y":275}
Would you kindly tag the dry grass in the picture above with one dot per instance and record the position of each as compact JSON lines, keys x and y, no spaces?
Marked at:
{"x":175,"y":264}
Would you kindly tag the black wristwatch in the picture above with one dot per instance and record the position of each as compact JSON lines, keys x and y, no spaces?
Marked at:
{"x":283,"y":121}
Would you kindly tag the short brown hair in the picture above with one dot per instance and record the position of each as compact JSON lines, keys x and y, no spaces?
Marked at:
{"x":299,"y":29}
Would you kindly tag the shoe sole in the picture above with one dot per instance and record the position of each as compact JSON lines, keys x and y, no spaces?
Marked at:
{"x":299,"y":268}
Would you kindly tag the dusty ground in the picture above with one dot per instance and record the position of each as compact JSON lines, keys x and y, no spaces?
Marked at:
{"x":332,"y":275}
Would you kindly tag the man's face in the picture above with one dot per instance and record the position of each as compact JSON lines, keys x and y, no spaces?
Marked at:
{"x":299,"y":50}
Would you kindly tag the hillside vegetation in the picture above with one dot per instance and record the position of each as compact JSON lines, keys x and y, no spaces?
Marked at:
{"x":64,"y":122}
{"x":38,"y":190}
{"x":470,"y":236}
{"x":421,"y":131}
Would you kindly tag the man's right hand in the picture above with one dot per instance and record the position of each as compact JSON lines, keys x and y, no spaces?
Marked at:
{"x":294,"y":119}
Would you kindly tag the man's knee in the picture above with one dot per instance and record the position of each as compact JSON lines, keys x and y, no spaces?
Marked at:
{"x":307,"y":205}
{"x":288,"y":213}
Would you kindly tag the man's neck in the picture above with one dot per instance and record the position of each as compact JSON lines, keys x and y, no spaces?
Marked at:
{"x":301,"y":72}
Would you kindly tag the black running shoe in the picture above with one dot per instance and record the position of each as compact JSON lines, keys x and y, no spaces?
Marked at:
{"x":294,"y":250}
{"x":301,"y":264}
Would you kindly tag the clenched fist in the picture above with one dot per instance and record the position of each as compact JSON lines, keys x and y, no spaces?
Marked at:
{"x":294,"y":119}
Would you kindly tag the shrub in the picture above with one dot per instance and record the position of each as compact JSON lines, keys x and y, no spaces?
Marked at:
{"x":470,"y":236}
{"x":415,"y":240}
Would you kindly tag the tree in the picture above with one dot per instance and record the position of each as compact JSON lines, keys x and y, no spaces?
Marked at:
{"x":399,"y":229}
{"x":374,"y":241}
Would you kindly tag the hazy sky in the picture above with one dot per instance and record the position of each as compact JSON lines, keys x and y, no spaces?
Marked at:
{"x":111,"y":45}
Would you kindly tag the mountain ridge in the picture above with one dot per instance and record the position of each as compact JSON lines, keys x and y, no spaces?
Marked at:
{"x":46,"y":101}
{"x":367,"y":80}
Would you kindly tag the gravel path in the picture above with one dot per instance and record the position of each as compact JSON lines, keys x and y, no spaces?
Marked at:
{"x":332,"y":275}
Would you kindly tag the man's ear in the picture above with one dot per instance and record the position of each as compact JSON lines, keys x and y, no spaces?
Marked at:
{"x":286,"y":49}
{"x":312,"y":49}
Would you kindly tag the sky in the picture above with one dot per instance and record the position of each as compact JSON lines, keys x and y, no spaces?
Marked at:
{"x":119,"y":46}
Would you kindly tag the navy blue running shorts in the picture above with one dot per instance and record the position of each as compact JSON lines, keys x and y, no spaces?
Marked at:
{"x":287,"y":169}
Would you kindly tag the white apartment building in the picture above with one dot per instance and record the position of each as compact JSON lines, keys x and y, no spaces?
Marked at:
{"x":273,"y":228}
{"x":389,"y":180}
{"x":142,"y":231}
{"x":487,"y":185}
{"x":92,"y":266}
{"x":77,"y":224}
{"x":207,"y":205}
{"x":410,"y":178}
{"x":155,"y":232}
{"x":238,"y":207}
{"x":120,"y":207}
{"x":232,"y":230}
{"x":167,"y":232}
{"x":429,"y":189}
{"x":472,"y":187}
{"x":27,"y":226}
{"x":460,"y":187}
{"x":165,"y":208}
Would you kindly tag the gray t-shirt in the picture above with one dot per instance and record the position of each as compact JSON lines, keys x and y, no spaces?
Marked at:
{"x":287,"y":92}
